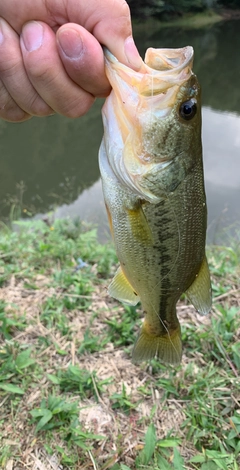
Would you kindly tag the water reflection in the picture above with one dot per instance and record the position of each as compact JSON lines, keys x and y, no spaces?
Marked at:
{"x":221,"y":150}
{"x":56,"y":158}
{"x":216,"y":61}
{"x":221,"y":132}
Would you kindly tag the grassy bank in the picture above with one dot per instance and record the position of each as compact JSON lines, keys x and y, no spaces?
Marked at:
{"x":70,"y":396}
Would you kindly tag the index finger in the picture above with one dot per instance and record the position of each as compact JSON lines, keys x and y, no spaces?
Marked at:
{"x":111,"y":25}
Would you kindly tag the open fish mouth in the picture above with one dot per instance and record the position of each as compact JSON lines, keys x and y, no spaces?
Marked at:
{"x":174,"y":60}
{"x":161,"y":69}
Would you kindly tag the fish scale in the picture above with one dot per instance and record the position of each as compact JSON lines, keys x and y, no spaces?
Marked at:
{"x":152,"y":177}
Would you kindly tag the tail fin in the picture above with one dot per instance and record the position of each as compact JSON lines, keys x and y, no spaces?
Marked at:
{"x":166,"y":347}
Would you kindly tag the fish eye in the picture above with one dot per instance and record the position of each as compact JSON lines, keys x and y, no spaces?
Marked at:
{"x":188,"y":109}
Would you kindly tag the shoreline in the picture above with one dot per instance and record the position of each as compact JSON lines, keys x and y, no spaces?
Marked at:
{"x":188,"y":21}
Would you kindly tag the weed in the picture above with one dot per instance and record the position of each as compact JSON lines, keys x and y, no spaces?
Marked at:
{"x":13,"y":366}
{"x":53,"y":412}
{"x":5,"y":455}
{"x":10,"y":322}
{"x":78,"y":380}
{"x":122,"y":401}
{"x":57,"y":413}
{"x":53,"y":316}
{"x":156,"y":454}
{"x":91,"y":343}
{"x":123,"y":328}
{"x":214,"y":460}
{"x":81,"y":437}
{"x":147,"y":452}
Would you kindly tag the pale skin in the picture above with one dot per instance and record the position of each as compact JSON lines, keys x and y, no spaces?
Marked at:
{"x":51,"y":58}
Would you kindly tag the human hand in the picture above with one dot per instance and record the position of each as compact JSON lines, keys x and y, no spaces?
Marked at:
{"x":51,"y":59}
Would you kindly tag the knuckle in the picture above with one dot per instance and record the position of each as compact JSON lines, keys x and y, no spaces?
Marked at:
{"x":40,"y":72}
{"x":125,"y":10}
{"x":122,"y":18}
{"x":7,"y":69}
{"x":8,"y":65}
{"x":77,"y":110}
{"x":9,"y":110}
{"x":41,"y":69}
{"x":38,"y":107}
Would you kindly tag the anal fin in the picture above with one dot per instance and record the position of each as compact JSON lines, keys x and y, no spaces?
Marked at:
{"x":200,"y":292}
{"x":121,"y":289}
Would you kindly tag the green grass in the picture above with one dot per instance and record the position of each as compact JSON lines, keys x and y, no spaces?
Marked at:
{"x":68,"y":389}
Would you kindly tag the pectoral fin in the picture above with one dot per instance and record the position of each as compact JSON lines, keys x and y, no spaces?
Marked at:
{"x":200,"y":292}
{"x":138,"y":225}
{"x":122,"y":290}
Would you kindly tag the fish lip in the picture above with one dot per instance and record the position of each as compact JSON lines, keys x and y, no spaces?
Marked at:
{"x":169,"y":60}
{"x":162,"y":70}
{"x":158,"y":61}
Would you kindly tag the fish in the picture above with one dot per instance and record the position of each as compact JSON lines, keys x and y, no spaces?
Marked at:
{"x":151,"y":169}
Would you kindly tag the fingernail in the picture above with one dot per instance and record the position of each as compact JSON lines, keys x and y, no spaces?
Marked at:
{"x":32,"y":35}
{"x":132,"y":54}
{"x":70,"y":42}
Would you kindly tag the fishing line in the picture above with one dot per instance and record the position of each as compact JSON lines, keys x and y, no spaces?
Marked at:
{"x":151,"y":102}
{"x":167,"y":331}
{"x":178,"y":231}
{"x":178,"y":250}
{"x":165,"y":291}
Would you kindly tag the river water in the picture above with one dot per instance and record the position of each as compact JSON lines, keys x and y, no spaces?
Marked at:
{"x":51,"y":163}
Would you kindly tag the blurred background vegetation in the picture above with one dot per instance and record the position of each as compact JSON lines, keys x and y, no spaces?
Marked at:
{"x":169,"y":9}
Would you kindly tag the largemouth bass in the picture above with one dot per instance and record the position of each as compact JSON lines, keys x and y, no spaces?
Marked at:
{"x":152,"y":176}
